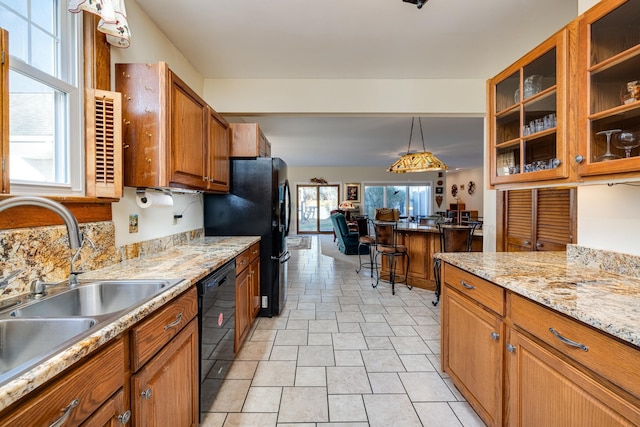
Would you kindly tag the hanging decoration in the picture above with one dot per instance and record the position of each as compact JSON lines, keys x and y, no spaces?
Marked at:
{"x":113,"y":18}
{"x":422,"y":161}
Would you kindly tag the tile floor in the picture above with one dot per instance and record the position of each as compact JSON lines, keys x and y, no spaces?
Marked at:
{"x":341,"y":354}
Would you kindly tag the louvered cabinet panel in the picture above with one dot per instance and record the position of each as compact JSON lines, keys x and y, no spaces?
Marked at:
{"x":519,"y":225}
{"x":103,"y":143}
{"x":554,"y":224}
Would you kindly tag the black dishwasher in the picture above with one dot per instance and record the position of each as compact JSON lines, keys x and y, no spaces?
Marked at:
{"x":216,"y":321}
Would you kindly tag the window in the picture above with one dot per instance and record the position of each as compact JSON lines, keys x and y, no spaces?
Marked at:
{"x":45,"y":96}
{"x":412,"y":200}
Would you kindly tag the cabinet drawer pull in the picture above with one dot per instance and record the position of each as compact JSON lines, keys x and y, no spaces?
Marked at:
{"x":495,"y":336}
{"x":511,"y":348}
{"x":568,"y":341}
{"x":174,"y":323}
{"x":466,"y":285}
{"x":146,"y":394}
{"x":66,"y":414}
{"x":124,"y":418}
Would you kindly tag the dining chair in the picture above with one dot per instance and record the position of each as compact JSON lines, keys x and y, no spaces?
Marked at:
{"x":386,"y":245}
{"x":453,"y":238}
{"x":365,"y":240}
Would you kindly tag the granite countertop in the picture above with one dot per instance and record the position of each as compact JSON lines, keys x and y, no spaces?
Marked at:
{"x":607,"y":301}
{"x":189,"y":262}
{"x":412,"y":226}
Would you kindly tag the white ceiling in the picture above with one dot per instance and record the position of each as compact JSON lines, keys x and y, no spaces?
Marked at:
{"x":344,"y":39}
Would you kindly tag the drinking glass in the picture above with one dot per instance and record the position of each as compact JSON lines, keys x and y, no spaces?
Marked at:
{"x":608,"y":155}
{"x":627,"y":141}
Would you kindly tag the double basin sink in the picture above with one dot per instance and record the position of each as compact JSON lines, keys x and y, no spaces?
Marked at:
{"x":37,"y":329}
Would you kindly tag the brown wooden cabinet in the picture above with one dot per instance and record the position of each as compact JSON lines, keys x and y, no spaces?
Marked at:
{"x":472,"y":336}
{"x":164,"y":363}
{"x":247,"y":140}
{"x":112,"y":413}
{"x":519,"y":363}
{"x":247,"y":292}
{"x":167,"y":137}
{"x":254,"y":280}
{"x":609,"y":95}
{"x":530,"y":117}
{"x":75,"y":394}
{"x":539,"y":219}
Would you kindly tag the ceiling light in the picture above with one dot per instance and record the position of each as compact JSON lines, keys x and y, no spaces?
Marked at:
{"x":422,"y":161}
{"x":418,"y":3}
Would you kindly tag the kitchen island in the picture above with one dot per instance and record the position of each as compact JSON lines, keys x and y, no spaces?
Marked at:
{"x":553,"y":340}
{"x":190,"y":262}
{"x":422,"y":242}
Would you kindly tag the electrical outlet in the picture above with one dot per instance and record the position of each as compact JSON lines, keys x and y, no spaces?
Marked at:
{"x":265,"y":302}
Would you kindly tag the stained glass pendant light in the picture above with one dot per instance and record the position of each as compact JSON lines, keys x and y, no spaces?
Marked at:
{"x":422,"y":161}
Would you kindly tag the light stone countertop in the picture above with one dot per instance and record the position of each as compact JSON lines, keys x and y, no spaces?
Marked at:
{"x":190,"y":262}
{"x":607,"y":301}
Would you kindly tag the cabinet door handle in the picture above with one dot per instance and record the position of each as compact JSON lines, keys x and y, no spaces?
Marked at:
{"x":466,"y":285}
{"x":124,"y":418}
{"x":146,"y":394}
{"x":174,"y":323}
{"x":527,"y":243}
{"x":539,"y":245}
{"x":511,"y":348}
{"x":66,"y":414}
{"x":495,"y":336}
{"x":568,"y":341}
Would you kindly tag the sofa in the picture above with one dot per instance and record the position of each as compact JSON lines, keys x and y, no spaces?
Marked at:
{"x":347,"y":240}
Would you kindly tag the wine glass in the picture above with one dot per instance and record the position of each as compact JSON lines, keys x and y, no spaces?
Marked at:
{"x":608,"y":155}
{"x":627,"y":141}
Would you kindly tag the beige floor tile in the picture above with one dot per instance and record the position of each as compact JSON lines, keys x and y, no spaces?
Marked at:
{"x":466,"y":414}
{"x":316,"y":355}
{"x":386,"y":383}
{"x":346,"y":408}
{"x":349,"y":341}
{"x":349,"y":327}
{"x":213,"y":419}
{"x":436,"y":414}
{"x":310,"y":376}
{"x":325,"y":315}
{"x":409,"y":345}
{"x":377,"y":329}
{"x":274,"y":373}
{"x":378,"y":343}
{"x":350,"y":317}
{"x":426,"y":387}
{"x":255,"y":350}
{"x":319,"y":326}
{"x":382,"y":361}
{"x":291,"y":337}
{"x":347,"y":380}
{"x":277,"y":322}
{"x":298,"y":324}
{"x":416,"y":363}
{"x":348,"y":358}
{"x":284,"y":352}
{"x":263,"y":399}
{"x":399,"y":319}
{"x":242,"y":370}
{"x":303,"y":314}
{"x":304,"y":405}
{"x":230,"y":397}
{"x":385,"y":410}
{"x":251,"y":420}
{"x":404,"y":331}
{"x":320,"y":339}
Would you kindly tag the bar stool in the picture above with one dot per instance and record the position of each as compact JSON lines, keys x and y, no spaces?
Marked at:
{"x":453,"y":238}
{"x":365,"y":240}
{"x":386,"y":245}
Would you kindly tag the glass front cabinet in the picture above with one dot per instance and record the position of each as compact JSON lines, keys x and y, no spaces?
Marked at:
{"x":529,"y":106}
{"x":609,"y":95}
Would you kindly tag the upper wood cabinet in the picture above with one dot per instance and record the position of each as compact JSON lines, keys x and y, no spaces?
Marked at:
{"x":219,"y":146}
{"x":609,"y":95}
{"x":529,"y":115}
{"x":167,"y":141}
{"x":247,"y":140}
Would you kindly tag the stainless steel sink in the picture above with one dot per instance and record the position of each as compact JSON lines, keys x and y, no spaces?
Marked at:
{"x":26,"y":342}
{"x":95,"y":298}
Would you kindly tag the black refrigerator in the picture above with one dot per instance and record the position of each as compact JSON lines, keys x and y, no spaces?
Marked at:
{"x":258,"y":204}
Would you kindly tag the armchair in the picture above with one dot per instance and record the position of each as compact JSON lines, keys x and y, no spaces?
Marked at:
{"x":347,"y":240}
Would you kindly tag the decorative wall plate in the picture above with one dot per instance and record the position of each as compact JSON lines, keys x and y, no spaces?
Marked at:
{"x":440,"y":182}
{"x":471,"y":187}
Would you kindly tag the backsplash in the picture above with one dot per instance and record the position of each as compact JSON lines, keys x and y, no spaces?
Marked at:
{"x":609,"y":261}
{"x":43,"y":252}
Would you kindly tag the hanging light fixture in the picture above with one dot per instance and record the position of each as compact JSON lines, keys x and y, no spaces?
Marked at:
{"x":422,"y":161}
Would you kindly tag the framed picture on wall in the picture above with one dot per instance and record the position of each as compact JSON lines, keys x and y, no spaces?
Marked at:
{"x":352,"y":192}
{"x":439,"y":190}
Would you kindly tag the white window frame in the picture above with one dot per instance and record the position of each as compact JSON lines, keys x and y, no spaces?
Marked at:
{"x":70,"y":82}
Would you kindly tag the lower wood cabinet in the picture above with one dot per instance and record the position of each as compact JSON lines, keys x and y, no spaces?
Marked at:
{"x":112,"y":413}
{"x":509,"y":358}
{"x":71,"y":398}
{"x":247,"y":292}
